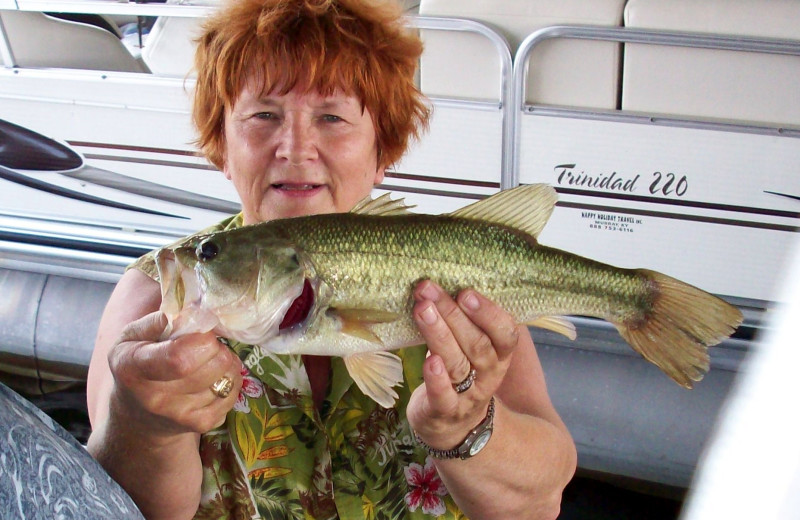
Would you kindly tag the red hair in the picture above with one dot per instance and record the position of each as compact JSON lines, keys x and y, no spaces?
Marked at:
{"x":361,"y":47}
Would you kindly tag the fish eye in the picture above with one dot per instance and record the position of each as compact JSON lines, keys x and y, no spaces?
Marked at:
{"x":207,"y":250}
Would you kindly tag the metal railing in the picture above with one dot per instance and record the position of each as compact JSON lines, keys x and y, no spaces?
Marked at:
{"x":629,"y":35}
{"x":503,"y":49}
{"x":187,"y":10}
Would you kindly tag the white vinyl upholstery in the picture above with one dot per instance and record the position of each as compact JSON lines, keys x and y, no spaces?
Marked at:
{"x":729,"y":85}
{"x":169,"y":49}
{"x":170,"y":46}
{"x":410,"y":6}
{"x":38,"y":40}
{"x":562,"y":72}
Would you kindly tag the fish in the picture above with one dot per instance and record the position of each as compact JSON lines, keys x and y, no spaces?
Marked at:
{"x":342,"y":285}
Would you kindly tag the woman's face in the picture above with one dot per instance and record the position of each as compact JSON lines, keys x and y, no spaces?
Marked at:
{"x":299,"y":153}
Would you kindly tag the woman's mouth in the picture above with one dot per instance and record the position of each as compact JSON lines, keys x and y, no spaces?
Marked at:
{"x":296,"y":187}
{"x":297,"y":190}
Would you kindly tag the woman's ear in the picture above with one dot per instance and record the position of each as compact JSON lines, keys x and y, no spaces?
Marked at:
{"x":224,"y":166}
{"x":380,"y":173}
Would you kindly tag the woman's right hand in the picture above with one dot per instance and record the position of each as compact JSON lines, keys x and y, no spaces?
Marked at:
{"x":165,"y":386}
{"x":150,"y":399}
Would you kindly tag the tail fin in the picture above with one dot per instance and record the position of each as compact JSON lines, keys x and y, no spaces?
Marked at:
{"x":683,"y":322}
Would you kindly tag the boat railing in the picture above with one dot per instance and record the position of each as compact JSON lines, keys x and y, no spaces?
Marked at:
{"x":626,"y":35}
{"x":715,"y":204}
{"x":469,"y":172}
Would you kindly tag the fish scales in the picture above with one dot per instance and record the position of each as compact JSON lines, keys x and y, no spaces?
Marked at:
{"x":342,"y":285}
{"x":370,"y":263}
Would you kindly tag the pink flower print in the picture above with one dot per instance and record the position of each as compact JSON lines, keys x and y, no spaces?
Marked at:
{"x":251,"y":387}
{"x":426,"y":488}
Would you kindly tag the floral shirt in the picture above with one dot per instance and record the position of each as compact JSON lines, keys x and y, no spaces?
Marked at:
{"x":277,"y":457}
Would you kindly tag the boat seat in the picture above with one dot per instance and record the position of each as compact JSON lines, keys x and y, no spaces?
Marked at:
{"x":563,"y":72}
{"x":733,"y":86}
{"x":411,"y":7}
{"x":169,"y":50}
{"x":98,"y":20}
{"x":38,"y":40}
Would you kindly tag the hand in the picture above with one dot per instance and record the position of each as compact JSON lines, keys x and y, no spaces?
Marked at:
{"x":165,"y":386}
{"x":468,"y":332}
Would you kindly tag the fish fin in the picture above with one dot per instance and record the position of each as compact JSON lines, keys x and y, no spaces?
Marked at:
{"x":382,"y":206}
{"x":683,"y":322}
{"x":527,"y":208}
{"x":375,"y":373}
{"x":355,"y":322}
{"x":359,"y":330}
{"x":366,"y":315}
{"x":557,"y":324}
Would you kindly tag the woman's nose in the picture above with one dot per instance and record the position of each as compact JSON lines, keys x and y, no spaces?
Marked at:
{"x":297,"y":141}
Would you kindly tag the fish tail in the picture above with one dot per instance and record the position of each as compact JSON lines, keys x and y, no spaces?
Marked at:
{"x":680,"y":325}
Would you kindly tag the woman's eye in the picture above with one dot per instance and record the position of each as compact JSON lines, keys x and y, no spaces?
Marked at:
{"x":330,"y":118}
{"x":265,"y":116}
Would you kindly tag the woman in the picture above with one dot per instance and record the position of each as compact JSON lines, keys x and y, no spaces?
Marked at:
{"x":303,"y":104}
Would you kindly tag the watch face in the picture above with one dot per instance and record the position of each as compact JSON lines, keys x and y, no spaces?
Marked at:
{"x":480,"y":442}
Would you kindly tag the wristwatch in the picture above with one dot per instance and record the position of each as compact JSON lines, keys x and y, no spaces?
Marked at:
{"x":469,"y":447}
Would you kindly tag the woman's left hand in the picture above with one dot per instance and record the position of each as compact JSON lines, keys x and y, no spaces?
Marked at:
{"x":530,"y":457}
{"x":467,"y":333}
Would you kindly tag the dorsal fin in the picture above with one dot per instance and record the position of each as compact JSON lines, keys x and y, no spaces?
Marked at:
{"x":526,"y":208}
{"x":382,"y":206}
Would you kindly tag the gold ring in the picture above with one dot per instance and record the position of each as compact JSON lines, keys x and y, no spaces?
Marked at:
{"x":222,"y":387}
{"x":465,"y":385}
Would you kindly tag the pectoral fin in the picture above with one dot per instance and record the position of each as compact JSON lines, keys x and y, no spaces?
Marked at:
{"x":375,"y":373}
{"x":355,"y":322}
{"x":557,"y":324}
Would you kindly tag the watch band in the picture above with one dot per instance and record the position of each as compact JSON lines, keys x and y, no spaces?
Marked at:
{"x":462,"y":451}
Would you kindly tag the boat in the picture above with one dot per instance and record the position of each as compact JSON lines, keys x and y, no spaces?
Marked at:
{"x":671,"y":131}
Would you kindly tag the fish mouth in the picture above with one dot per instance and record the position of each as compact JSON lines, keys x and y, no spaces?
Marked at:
{"x":172,"y":284}
{"x":181,"y":296}
{"x":300,"y":308}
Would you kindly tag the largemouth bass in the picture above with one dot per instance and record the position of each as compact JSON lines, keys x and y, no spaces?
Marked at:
{"x":341,"y":285}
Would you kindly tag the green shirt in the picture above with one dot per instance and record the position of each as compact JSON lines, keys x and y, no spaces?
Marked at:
{"x":277,"y":457}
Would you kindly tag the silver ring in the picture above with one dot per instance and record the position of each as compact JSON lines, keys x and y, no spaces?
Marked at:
{"x":465,"y":385}
{"x":222,"y":387}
